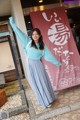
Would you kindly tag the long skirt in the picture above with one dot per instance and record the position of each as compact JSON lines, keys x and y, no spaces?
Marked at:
{"x":40,"y":83}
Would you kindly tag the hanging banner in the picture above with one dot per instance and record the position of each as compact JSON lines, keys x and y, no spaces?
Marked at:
{"x":58,"y":37}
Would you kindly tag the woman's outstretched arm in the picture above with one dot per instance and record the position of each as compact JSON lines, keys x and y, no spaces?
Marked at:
{"x":23,"y":38}
{"x":49,"y":57}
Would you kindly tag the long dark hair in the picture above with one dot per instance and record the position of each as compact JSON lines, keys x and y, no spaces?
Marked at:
{"x":40,"y":41}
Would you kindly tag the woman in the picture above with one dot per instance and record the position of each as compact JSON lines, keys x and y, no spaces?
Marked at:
{"x":35,"y":50}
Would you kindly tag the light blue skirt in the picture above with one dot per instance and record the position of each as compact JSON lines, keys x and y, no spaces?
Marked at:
{"x":40,"y":83}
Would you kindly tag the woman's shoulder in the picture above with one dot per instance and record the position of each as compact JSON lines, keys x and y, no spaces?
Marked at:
{"x":29,"y":43}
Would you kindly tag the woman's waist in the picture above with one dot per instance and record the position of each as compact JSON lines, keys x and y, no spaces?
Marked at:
{"x":34,"y":57}
{"x":33,"y":62}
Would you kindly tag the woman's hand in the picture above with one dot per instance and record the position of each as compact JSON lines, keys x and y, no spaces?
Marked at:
{"x":11,"y":19}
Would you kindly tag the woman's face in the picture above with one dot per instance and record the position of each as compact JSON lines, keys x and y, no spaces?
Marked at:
{"x":35,"y":36}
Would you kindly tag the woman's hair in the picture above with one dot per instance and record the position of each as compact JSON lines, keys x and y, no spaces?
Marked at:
{"x":40,"y":41}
